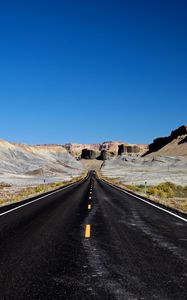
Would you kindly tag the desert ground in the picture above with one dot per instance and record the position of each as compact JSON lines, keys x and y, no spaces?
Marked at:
{"x":137,"y":170}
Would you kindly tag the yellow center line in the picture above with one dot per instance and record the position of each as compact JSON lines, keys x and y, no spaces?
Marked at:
{"x":87,"y":231}
{"x":89,"y":206}
{"x":90,"y":192}
{"x":90,"y":197}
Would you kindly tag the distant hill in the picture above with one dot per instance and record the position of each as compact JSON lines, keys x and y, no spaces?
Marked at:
{"x":104,"y":150}
{"x":173,"y":145}
{"x":41,"y":160}
{"x":57,"y":160}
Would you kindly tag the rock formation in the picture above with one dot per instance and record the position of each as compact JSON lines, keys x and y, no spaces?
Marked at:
{"x":106,"y":155}
{"x":137,"y":150}
{"x":183,"y":140}
{"x":104,"y":150}
{"x":88,"y":154}
{"x":49,"y":160}
{"x":76,"y":149}
{"x":161,"y":142}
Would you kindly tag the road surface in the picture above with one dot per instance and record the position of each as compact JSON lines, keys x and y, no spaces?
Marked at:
{"x":132,"y":250}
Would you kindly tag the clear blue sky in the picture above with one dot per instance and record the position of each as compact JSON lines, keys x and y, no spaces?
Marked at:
{"x":93,"y":70}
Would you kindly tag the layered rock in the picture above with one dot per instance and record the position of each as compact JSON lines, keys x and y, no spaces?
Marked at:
{"x":184,"y":140}
{"x":48,"y":160}
{"x":110,"y":146}
{"x":137,"y":150}
{"x":104,"y":150}
{"x":161,"y":142}
{"x":88,"y":154}
{"x":106,"y":155}
{"x":76,"y":149}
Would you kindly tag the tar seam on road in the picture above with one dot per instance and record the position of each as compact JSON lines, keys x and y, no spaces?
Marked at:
{"x":22,"y":205}
{"x":154,"y":205}
{"x":87,"y":231}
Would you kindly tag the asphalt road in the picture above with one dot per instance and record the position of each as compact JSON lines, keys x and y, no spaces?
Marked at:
{"x":135,"y":251}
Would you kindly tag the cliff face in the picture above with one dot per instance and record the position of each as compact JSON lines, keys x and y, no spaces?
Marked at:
{"x":174,"y":144}
{"x":183,"y":140}
{"x":76,"y":149}
{"x":132,"y":149}
{"x":88,"y":154}
{"x":110,"y":146}
{"x":104,"y":150}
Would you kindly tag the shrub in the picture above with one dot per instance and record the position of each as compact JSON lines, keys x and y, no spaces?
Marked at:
{"x":163,"y":190}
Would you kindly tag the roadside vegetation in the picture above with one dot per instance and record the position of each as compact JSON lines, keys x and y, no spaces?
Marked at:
{"x":166,"y":193}
{"x":8,"y":193}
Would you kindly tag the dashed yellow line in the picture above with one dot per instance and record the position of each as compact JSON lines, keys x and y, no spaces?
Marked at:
{"x":89,"y":206}
{"x":90,"y":192}
{"x":87,"y":231}
{"x":90,"y":197}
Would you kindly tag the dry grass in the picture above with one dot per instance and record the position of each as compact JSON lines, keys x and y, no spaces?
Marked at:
{"x":8,"y":197}
{"x":167,"y":193}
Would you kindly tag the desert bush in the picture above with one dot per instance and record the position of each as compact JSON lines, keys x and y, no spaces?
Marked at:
{"x":167,"y":193}
{"x":163,"y":190}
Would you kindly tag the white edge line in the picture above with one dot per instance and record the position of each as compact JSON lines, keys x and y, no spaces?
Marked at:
{"x":35,"y":200}
{"x":167,"y":211}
